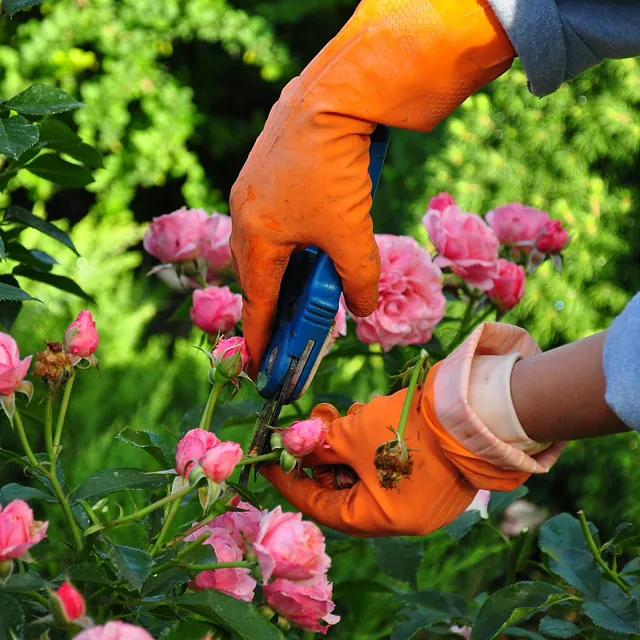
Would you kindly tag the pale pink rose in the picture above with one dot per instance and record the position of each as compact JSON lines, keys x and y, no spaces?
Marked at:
{"x":192,"y":448}
{"x":242,"y":526}
{"x":71,"y":602}
{"x":231,"y":356}
{"x":216,"y":309}
{"x":219,"y":462}
{"x":553,"y":238}
{"x":12,"y":369}
{"x":481,"y":503}
{"x":176,"y":237}
{"x":81,"y":337}
{"x":304,"y":436}
{"x":235,"y":582}
{"x":463,"y":632}
{"x":289,"y":548}
{"x":214,"y":244}
{"x":340,"y":328}
{"x":18,"y":530}
{"x":441,"y":201}
{"x":521,"y":514}
{"x":306,"y":605}
{"x":411,"y":302}
{"x":114,"y":630}
{"x":508,"y":287}
{"x":516,"y":224}
{"x":465,"y":244}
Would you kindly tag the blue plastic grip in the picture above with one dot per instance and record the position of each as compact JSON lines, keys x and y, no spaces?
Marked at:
{"x":308,"y":302}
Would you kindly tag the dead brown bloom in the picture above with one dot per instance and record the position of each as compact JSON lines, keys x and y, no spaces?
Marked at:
{"x":53,"y":365}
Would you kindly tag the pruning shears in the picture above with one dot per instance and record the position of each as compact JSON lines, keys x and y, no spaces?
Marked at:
{"x":305,"y":318}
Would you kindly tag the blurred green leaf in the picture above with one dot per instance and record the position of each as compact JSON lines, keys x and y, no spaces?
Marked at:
{"x":412,"y":620}
{"x":451,"y":603}
{"x":27,"y":581}
{"x":131,"y":564}
{"x":187,"y":629}
{"x":41,"y":100}
{"x":160,"y":448}
{"x":398,"y":557}
{"x":9,"y":311}
{"x":108,"y":481}
{"x":86,"y":572}
{"x":20,"y":215}
{"x":13,"y":6}
{"x":15,"y":491}
{"x":9,"y":292}
{"x":614,"y":610}
{"x":12,"y":618}
{"x":56,"y":135}
{"x":459,"y":528}
{"x":165,"y":581}
{"x":16,"y":136}
{"x":33,"y":258}
{"x":59,"y":282}
{"x":500,"y":500}
{"x":59,"y":171}
{"x":558,"y":628}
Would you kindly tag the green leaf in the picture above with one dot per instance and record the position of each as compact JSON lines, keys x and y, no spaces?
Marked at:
{"x":28,"y":581}
{"x":558,"y":628}
{"x":165,"y":581}
{"x":132,"y":565}
{"x":53,"y":168}
{"x":15,"y":491}
{"x":398,"y":557}
{"x":186,"y":629}
{"x":450,"y":603}
{"x":86,"y":573}
{"x":17,"y":214}
{"x":514,"y":632}
{"x":9,"y":311}
{"x":562,"y":532}
{"x":152,"y":443}
{"x":3,"y":252}
{"x":242,"y":619}
{"x":578,"y":568}
{"x":42,"y":100}
{"x":633,"y":566}
{"x":34,"y":258}
{"x":614,"y":610}
{"x":412,"y":620}
{"x":500,"y":500}
{"x":12,"y":618}
{"x":56,"y":135}
{"x":17,"y":135}
{"x":13,"y":6}
{"x":10,"y":293}
{"x":512,"y":604}
{"x":108,"y":481}
{"x":459,"y":528}
{"x":59,"y":282}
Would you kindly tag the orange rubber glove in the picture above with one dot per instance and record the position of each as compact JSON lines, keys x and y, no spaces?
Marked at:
{"x":402,"y":63}
{"x":444,"y":481}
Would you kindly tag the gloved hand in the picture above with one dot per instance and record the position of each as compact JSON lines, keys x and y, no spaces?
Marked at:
{"x":402,"y":63}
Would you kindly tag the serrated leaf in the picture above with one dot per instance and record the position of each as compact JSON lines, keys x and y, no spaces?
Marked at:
{"x":450,"y":603}
{"x":27,"y":581}
{"x":53,"y":168}
{"x":56,"y":135}
{"x":578,"y":568}
{"x":151,"y":443}
{"x":614,"y":610}
{"x":512,"y":604}
{"x":186,"y":629}
{"x":13,"y":6}
{"x":12,"y":618}
{"x":59,"y":282}
{"x":412,"y":620}
{"x":562,"y":532}
{"x":131,"y":564}
{"x":558,"y":628}
{"x":15,"y":491}
{"x":86,"y":573}
{"x":20,"y":215}
{"x":459,"y":528}
{"x":500,"y":500}
{"x":108,"y":481}
{"x":165,"y":581}
{"x":9,"y":293}
{"x":398,"y":557}
{"x":240,"y":618}
{"x":33,"y":258}
{"x":17,"y":135}
{"x":41,"y":100}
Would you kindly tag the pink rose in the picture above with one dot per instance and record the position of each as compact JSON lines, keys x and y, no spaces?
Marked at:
{"x":289,"y":548}
{"x":521,"y":514}
{"x":216,"y":309}
{"x":463,"y":632}
{"x":230,"y":356}
{"x":508,"y":287}
{"x":481,"y":503}
{"x":304,"y":436}
{"x":553,"y":238}
{"x":441,"y":201}
{"x":114,"y":630}
{"x":465,"y":244}
{"x":214,"y":244}
{"x":306,"y":605}
{"x":81,"y":337}
{"x":219,"y":462}
{"x":18,"y":530}
{"x":70,"y":602}
{"x":12,"y":369}
{"x":516,"y":224}
{"x":192,"y":448}
{"x":242,"y":526}
{"x":176,"y":237}
{"x":411,"y":302}
{"x":235,"y":582}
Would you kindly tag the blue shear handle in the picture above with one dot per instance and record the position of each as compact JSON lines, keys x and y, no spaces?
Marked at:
{"x":308,"y":303}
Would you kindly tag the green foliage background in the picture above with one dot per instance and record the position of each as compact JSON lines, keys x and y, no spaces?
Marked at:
{"x":177,"y":90}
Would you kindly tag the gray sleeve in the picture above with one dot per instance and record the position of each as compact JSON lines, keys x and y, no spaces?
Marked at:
{"x":556,"y":40}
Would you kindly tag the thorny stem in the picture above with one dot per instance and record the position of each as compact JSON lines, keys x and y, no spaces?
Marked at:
{"x":205,"y":421}
{"x":24,"y":441}
{"x":165,"y":527}
{"x":265,"y":457}
{"x":413,"y":382}
{"x":62,"y":414}
{"x":596,"y":554}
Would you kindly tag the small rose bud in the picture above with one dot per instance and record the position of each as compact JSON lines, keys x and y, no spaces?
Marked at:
{"x":553,"y":238}
{"x":276,"y":441}
{"x":230,"y":358}
{"x":220,"y":461}
{"x":81,"y":337}
{"x":287,"y":462}
{"x":6,"y":569}
{"x":67,"y":603}
{"x":302,"y":437}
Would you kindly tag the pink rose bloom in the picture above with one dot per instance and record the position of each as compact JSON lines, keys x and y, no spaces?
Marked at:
{"x":463,"y":632}
{"x":508,"y":287}
{"x":177,"y":236}
{"x":242,"y":526}
{"x":441,"y":201}
{"x":114,"y":630}
{"x":18,"y":530}
{"x":289,"y":548}
{"x":411,"y":302}
{"x":304,"y":436}
{"x":481,"y":503}
{"x":216,"y":309}
{"x":553,"y":238}
{"x":81,"y":337}
{"x":219,"y":462}
{"x":306,"y":605}
{"x":192,"y":448}
{"x":214,"y":244}
{"x":521,"y":514}
{"x":12,"y":369}
{"x":516,"y":224}
{"x":231,"y":356}
{"x":71,"y":602}
{"x":237,"y":582}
